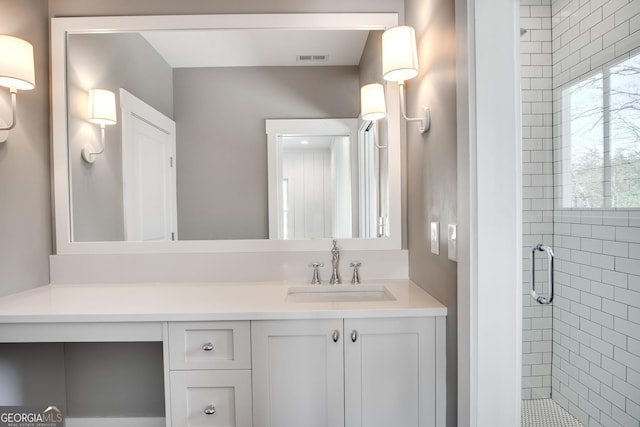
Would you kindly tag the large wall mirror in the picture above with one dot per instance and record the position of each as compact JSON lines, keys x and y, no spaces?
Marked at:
{"x":187,"y":161}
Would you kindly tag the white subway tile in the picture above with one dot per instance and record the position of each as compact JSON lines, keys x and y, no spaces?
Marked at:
{"x":532,"y":47}
{"x":628,"y":43}
{"x":633,"y":377}
{"x":603,"y":261}
{"x":591,"y":273}
{"x":633,"y":409}
{"x":614,"y":278}
{"x":581,"y":257}
{"x":633,"y":346}
{"x":603,"y":232}
{"x":628,"y":234}
{"x":591,"y":245}
{"x":590,"y":20}
{"x":615,"y":368}
{"x":612,"y":6}
{"x":628,"y":297}
{"x":627,"y":265}
{"x":631,"y":9}
{"x":634,"y":282}
{"x":618,"y":218}
{"x":634,"y":24}
{"x":618,"y":33}
{"x":624,"y":387}
{"x":589,"y":408}
{"x":580,"y":14}
{"x":634,"y":316}
{"x":603,"y":27}
{"x":531,"y":23}
{"x":591,"y":49}
{"x":601,"y":318}
{"x":613,"y":337}
{"x":603,"y":57}
{"x":602,"y":290}
{"x":616,"y":309}
{"x":629,"y":329}
{"x":612,"y":396}
{"x":581,"y":230}
{"x":580,"y":310}
{"x":603,"y":348}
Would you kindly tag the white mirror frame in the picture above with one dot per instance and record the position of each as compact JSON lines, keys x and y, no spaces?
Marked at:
{"x":61,"y":27}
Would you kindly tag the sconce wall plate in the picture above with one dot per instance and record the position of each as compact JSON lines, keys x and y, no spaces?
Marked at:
{"x":4,"y":134}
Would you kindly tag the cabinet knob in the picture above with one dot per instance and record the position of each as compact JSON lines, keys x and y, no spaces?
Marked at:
{"x":335,"y":335}
{"x":354,"y":335}
{"x":207,"y":347}
{"x":210,"y":410}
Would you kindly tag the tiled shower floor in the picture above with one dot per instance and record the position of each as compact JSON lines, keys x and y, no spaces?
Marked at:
{"x":546,"y":413}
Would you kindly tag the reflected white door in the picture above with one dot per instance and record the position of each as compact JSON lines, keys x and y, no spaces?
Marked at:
{"x":149,"y":173}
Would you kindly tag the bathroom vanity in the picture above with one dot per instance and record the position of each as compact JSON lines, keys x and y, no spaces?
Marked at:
{"x":260,"y":354}
{"x":220,"y":327}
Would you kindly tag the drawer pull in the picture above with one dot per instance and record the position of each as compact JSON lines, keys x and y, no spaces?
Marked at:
{"x":354,"y":335}
{"x":207,"y":347}
{"x":210,"y":410}
{"x":335,"y":335}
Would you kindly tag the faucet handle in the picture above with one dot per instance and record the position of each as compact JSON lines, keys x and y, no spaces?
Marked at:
{"x":315,"y":280}
{"x":355,"y":279}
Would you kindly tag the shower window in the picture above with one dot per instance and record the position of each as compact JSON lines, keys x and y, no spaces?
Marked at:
{"x":601,"y":139}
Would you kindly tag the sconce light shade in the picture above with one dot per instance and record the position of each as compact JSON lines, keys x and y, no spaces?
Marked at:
{"x":102,"y":107}
{"x":17,"y":69}
{"x":399,"y":54}
{"x":372,"y":102}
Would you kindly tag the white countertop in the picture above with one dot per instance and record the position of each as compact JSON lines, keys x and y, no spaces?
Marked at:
{"x":160,"y":302}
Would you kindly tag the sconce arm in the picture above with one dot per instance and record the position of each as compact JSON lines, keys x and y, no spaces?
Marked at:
{"x":5,"y":127}
{"x":424,"y":122}
{"x":88,"y":151}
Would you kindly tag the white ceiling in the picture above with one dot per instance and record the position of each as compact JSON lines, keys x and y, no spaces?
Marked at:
{"x":256,"y":47}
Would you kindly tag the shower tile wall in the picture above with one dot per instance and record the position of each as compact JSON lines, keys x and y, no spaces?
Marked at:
{"x":596,"y":316}
{"x":536,"y":82}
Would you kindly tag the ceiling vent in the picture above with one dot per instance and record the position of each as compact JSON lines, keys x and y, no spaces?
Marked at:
{"x":312,"y":58}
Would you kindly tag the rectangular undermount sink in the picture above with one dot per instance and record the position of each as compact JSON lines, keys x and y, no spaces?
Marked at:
{"x":339,"y":293}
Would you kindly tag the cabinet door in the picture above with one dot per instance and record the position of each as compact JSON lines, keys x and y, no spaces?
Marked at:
{"x":390,"y":372}
{"x":297,"y":373}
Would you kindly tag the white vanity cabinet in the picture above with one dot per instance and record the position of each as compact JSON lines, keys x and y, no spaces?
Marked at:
{"x":351,"y":372}
{"x":210,"y":374}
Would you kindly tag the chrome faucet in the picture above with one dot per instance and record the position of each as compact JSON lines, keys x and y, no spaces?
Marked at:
{"x":335,"y":260}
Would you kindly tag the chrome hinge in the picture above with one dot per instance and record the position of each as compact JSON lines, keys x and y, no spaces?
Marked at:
{"x":171,"y":161}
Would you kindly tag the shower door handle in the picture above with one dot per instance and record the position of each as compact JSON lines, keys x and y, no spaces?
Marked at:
{"x":539,"y":298}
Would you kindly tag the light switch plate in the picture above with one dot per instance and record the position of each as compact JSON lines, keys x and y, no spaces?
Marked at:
{"x":452,"y":242}
{"x":435,"y":238}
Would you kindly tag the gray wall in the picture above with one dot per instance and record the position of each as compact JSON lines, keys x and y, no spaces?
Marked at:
{"x":107,"y":61}
{"x":222,"y":145}
{"x":432,"y":166}
{"x":25,"y":201}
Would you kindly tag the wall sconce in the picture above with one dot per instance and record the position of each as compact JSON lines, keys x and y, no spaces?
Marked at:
{"x":400,"y":63}
{"x":372,"y":103}
{"x":17,"y":71}
{"x":102,"y":111}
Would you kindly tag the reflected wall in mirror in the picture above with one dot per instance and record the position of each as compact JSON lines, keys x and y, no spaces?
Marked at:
{"x":219,"y":100}
{"x":324,"y":178}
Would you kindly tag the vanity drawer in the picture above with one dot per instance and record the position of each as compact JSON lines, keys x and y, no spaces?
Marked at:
{"x":209,"y":345}
{"x":211,"y":398}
